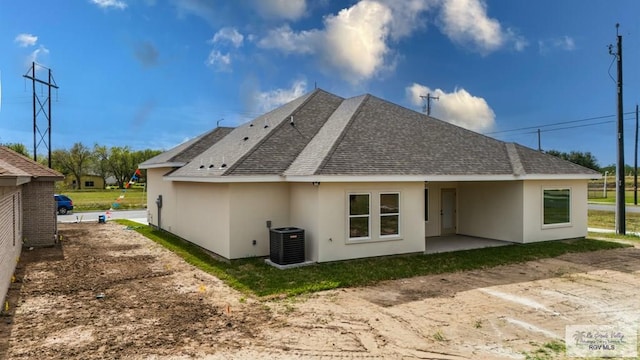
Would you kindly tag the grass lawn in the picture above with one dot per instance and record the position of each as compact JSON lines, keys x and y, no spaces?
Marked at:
{"x":256,"y":277}
{"x":87,"y":200}
{"x":607,"y":220}
{"x":596,"y":196}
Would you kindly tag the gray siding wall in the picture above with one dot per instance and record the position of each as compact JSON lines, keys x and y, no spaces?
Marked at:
{"x":10,"y":236}
{"x":40,"y":222}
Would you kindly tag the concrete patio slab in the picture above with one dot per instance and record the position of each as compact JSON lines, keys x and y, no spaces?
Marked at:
{"x":439,"y":244}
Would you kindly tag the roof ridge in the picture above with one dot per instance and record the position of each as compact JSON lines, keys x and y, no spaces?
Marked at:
{"x":271,"y":133}
{"x":339,"y":138}
{"x":315,"y":151}
{"x":514,"y":159}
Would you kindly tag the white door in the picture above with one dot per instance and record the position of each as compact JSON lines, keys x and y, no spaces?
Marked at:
{"x":448,"y":212}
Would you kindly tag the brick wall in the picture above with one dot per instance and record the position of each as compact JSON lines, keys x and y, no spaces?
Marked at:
{"x":39,"y":214}
{"x":10,"y":236}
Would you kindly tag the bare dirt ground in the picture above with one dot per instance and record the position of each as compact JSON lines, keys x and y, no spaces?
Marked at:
{"x":109,"y":293}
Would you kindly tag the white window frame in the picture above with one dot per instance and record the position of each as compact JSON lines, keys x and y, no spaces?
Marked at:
{"x":542,"y":208}
{"x":349,"y":217}
{"x":381,"y":215}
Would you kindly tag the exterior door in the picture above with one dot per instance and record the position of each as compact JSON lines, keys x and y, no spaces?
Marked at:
{"x":448,"y":212}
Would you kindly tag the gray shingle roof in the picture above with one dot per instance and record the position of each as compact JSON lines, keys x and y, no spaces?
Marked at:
{"x":387,"y":139}
{"x":266,"y":145}
{"x":316,"y":151}
{"x":276,"y":152}
{"x":536,"y":162}
{"x":13,"y":164}
{"x":360,"y":136}
{"x":188,"y":150}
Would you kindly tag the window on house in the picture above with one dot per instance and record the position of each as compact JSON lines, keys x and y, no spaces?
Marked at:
{"x":426,"y":204}
{"x":88,"y":183}
{"x":389,"y":214}
{"x":556,"y":207}
{"x":359,"y":216}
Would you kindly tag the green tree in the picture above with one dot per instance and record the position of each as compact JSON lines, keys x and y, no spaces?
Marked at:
{"x":19,"y":148}
{"x":585,"y":159}
{"x":72,"y":162}
{"x":100,"y":165}
{"x":122,"y":164}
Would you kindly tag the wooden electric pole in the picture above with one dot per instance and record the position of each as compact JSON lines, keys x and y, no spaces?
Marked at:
{"x":635,"y":164}
{"x":428,"y":97}
{"x":620,"y":186}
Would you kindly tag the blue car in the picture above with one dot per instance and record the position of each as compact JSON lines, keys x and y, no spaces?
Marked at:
{"x":63,"y":203}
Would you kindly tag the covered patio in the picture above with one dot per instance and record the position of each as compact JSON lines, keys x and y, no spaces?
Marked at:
{"x":448,"y":243}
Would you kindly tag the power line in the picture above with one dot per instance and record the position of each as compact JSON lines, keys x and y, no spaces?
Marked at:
{"x":571,"y":127}
{"x":556,"y":123}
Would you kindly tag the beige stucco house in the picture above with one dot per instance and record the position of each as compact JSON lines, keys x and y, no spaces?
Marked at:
{"x":363,"y":177}
{"x":27,"y":209}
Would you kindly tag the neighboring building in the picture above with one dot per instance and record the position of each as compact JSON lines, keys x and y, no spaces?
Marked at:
{"x":27,"y":209}
{"x":363,"y":177}
{"x":86,"y":182}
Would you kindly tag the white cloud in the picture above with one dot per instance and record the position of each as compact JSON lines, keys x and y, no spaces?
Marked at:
{"x":357,"y":42}
{"x":228,"y":34}
{"x":219,"y":61}
{"x":281,"y":9}
{"x":37,"y":54}
{"x":458,"y":107}
{"x":204,"y":9}
{"x":519,"y":42}
{"x":564,"y":43}
{"x":466,"y":22}
{"x":269,"y":100}
{"x":407,"y":15}
{"x":106,"y":4}
{"x":354,"y":41}
{"x":222,"y":61}
{"x":289,"y":41}
{"x":25,"y":40}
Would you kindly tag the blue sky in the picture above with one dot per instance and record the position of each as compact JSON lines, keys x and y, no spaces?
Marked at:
{"x":153,"y":73}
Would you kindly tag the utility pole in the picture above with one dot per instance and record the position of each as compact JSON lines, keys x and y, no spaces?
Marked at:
{"x":635,"y":164}
{"x":428,"y":97}
{"x":42,"y":103}
{"x":620,"y":200}
{"x":539,"y":143}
